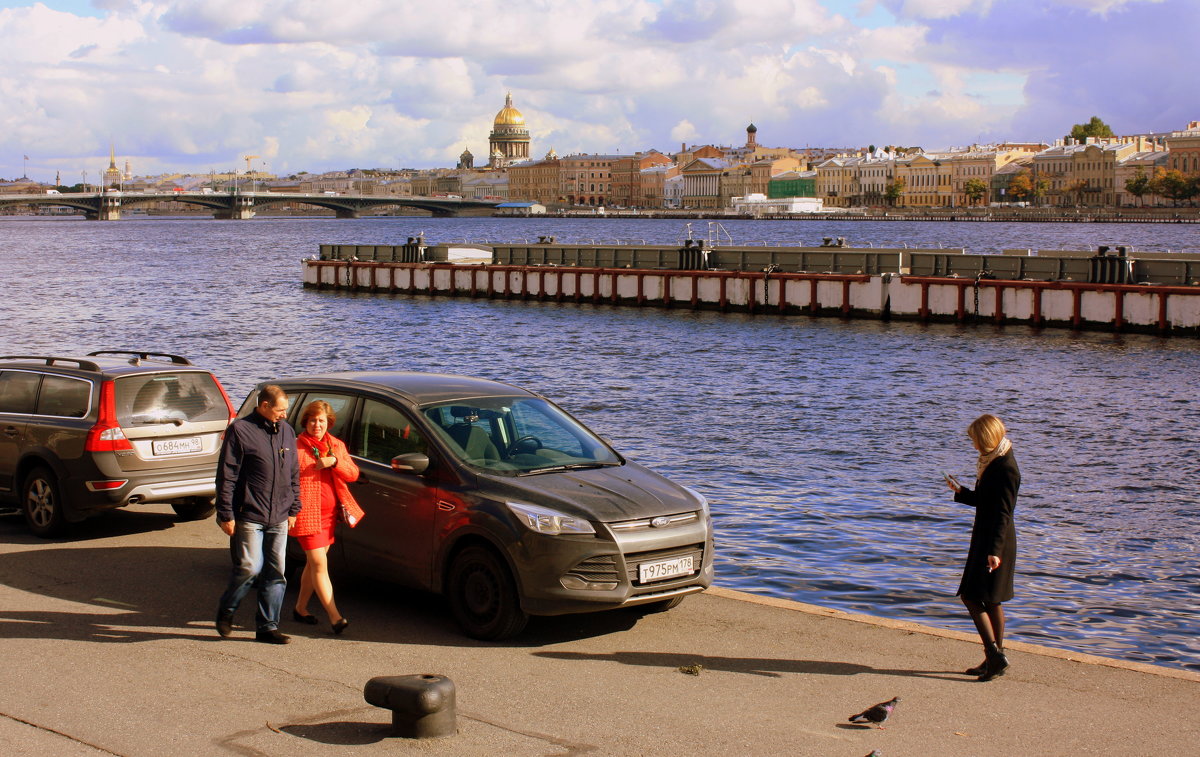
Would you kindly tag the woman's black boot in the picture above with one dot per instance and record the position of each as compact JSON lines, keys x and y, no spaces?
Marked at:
{"x":981,"y":667}
{"x":995,"y":664}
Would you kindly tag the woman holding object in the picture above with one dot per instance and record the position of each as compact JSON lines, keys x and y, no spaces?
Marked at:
{"x":325,"y":470}
{"x":987,"y":579}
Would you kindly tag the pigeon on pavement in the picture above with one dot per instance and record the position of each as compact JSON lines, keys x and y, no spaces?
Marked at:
{"x":877,"y":714}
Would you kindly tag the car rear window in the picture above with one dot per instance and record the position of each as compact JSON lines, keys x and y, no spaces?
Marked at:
{"x":185,"y":396}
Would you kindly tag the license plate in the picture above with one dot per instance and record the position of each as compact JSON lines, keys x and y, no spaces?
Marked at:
{"x":660,"y":569}
{"x":176,"y":446}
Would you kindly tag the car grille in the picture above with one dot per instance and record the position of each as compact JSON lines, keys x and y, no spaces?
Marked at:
{"x":644,"y":523}
{"x":602,"y":569}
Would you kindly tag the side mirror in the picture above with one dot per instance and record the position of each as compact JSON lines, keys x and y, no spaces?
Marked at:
{"x":412,"y":462}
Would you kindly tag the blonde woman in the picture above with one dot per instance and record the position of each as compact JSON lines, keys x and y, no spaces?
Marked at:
{"x":987,"y":579}
{"x":325,"y":470}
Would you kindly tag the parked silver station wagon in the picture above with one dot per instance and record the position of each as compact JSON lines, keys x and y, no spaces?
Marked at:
{"x":497,"y":498}
{"x":83,"y":434}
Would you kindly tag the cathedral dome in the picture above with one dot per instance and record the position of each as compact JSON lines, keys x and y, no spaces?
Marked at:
{"x":508,"y":115}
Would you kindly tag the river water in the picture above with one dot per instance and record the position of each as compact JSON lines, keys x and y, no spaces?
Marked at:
{"x":820,"y":443}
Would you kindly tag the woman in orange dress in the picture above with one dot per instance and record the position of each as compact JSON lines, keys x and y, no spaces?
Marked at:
{"x":325,"y":470}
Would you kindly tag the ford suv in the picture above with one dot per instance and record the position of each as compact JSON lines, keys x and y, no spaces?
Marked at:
{"x":497,"y":498}
{"x":80,"y":435}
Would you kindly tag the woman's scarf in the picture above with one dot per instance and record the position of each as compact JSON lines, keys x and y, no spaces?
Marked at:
{"x":314,"y":445}
{"x":985,"y":460}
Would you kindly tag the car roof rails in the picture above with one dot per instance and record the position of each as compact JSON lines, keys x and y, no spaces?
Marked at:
{"x":86,"y":365}
{"x":139,"y":356}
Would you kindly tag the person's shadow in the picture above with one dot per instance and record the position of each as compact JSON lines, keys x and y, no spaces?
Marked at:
{"x":759,"y":666}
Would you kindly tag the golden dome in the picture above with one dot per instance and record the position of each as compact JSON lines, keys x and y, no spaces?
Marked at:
{"x":508,"y":115}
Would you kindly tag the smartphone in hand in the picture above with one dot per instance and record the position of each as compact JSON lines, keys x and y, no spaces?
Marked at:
{"x":952,"y":481}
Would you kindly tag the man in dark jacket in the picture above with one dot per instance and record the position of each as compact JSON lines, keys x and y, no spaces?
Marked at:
{"x":258,"y":497}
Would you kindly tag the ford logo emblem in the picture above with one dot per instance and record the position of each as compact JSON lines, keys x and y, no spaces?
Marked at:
{"x":660,"y":522}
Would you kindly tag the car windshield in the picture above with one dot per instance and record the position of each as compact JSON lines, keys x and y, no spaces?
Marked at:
{"x":518,"y":436}
{"x":184,"y":397}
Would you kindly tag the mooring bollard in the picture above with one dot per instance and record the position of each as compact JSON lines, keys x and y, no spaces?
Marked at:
{"x":422,"y":705}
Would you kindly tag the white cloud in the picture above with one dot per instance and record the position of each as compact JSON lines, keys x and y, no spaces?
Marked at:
{"x":319,"y":84}
{"x":684,"y":131}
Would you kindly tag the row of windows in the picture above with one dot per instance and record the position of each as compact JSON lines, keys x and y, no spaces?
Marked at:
{"x":60,"y":396}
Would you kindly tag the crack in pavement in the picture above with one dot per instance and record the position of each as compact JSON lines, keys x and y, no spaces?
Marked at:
{"x":66,"y":736}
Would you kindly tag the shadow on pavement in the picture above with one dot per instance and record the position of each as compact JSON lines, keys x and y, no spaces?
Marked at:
{"x":119,"y":522}
{"x":759,"y":666}
{"x":145,"y":593}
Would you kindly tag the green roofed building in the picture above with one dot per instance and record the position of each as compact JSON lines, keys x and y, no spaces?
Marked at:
{"x":792,"y":184}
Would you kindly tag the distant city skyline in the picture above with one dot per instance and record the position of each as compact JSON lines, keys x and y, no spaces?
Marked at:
{"x":178,"y":85}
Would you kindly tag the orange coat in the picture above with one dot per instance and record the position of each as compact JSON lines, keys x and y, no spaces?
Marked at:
{"x":308,"y":522}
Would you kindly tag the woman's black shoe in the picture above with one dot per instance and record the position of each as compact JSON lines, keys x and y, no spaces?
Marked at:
{"x":310,"y":620}
{"x":340,"y":626}
{"x":995,"y":664}
{"x":979,"y":669}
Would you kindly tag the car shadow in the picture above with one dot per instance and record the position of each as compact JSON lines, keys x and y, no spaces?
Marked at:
{"x":128,"y":594}
{"x":103,"y":526}
{"x":759,"y":666}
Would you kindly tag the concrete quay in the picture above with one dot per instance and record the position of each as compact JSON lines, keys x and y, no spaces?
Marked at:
{"x":109,"y":649}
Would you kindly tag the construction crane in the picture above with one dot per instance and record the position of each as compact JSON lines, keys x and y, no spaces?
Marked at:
{"x":250,"y":158}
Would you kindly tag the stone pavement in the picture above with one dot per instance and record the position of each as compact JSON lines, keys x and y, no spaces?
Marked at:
{"x":108,"y":648}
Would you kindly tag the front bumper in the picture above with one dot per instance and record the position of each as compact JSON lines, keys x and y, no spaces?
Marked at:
{"x":608,"y":564}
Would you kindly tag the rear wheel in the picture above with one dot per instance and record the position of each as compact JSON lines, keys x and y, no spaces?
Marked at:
{"x":483,"y":595}
{"x":42,"y":503}
{"x":195,"y":508}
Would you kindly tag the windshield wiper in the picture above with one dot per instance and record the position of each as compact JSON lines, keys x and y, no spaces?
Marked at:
{"x":569,"y":466}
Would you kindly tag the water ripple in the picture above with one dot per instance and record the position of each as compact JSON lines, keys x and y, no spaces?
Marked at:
{"x":820,"y":443}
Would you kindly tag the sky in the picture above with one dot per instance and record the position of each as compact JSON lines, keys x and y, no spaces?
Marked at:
{"x":319,"y":85}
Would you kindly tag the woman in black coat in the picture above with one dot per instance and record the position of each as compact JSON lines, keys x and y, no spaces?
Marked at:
{"x":987,"y":579}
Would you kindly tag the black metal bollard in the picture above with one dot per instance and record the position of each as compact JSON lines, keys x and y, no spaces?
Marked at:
{"x":422,"y":705}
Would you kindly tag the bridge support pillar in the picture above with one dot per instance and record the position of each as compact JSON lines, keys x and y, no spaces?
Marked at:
{"x":347,"y":213}
{"x":110,"y":210}
{"x":242,"y":210}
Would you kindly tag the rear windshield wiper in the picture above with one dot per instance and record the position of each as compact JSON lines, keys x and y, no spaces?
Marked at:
{"x":570,"y":466}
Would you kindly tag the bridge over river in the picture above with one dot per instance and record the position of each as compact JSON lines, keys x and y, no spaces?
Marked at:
{"x":107,"y":206}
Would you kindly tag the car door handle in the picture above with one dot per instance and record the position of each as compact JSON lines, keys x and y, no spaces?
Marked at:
{"x":12,"y":431}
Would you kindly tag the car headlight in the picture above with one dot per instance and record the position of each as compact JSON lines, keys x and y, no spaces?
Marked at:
{"x":699,"y":498}
{"x":547,"y":521}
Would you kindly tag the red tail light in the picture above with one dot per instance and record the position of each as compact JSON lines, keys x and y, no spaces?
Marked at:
{"x":228,"y":404}
{"x":106,"y":435}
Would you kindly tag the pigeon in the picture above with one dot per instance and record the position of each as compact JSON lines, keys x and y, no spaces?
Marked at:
{"x":877,"y":714}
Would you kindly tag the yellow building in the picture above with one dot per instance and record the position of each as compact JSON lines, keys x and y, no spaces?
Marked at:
{"x":980,"y":162}
{"x":928,"y":181}
{"x":1184,"y":147}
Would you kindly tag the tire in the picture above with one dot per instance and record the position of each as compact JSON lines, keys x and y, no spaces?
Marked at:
{"x":483,"y":596}
{"x":660,"y":606}
{"x":42,"y":505}
{"x":196,"y":508}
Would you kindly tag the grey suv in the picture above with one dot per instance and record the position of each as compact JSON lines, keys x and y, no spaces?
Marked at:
{"x":497,"y":498}
{"x":80,"y":435}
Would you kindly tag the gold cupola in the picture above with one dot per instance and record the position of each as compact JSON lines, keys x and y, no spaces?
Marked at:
{"x":508,"y":115}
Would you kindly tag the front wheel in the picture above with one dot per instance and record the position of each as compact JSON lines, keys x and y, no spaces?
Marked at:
{"x":42,"y":504}
{"x":483,"y":596}
{"x":196,"y":508}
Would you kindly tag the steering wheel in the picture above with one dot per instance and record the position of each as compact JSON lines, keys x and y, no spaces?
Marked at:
{"x":523,"y":441}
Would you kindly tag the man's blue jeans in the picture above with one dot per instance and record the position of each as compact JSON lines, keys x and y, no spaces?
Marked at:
{"x":258,"y":554}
